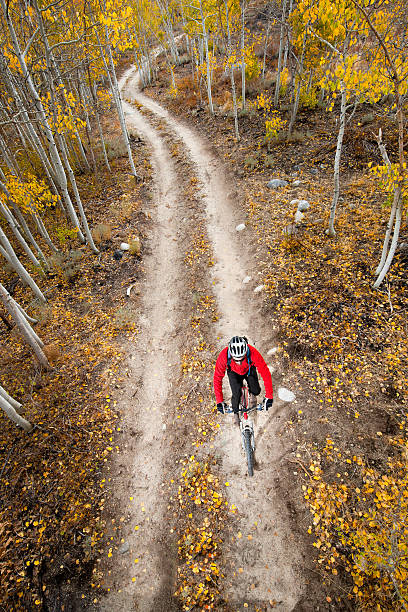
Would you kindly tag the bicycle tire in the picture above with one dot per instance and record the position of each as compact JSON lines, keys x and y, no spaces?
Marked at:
{"x":249,"y":451}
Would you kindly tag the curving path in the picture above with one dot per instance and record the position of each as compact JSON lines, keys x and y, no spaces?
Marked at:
{"x":262,"y":554}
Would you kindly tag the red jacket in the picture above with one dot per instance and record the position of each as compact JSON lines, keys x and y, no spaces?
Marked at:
{"x":241,"y":368}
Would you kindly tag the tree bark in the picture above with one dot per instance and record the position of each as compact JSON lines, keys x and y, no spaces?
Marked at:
{"x":207,"y":57}
{"x":282,"y":33}
{"x":8,"y":252}
{"x":243,"y":6}
{"x":336,"y":193}
{"x":12,"y":413}
{"x":29,"y":335}
{"x":52,"y":147}
{"x":111,"y":73}
{"x":234,"y":93}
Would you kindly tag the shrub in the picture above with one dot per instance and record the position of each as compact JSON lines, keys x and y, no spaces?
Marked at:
{"x":115,"y":149}
{"x":101,"y":232}
{"x":135,"y":246}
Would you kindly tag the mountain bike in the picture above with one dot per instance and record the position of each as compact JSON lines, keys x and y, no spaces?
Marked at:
{"x":246,"y":426}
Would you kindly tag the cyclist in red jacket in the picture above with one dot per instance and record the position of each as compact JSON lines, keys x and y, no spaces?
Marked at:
{"x":241,"y":361}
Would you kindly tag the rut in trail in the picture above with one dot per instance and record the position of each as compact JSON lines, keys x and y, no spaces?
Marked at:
{"x":148,"y":584}
{"x":264,"y":557}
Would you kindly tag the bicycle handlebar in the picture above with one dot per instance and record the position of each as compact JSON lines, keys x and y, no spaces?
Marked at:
{"x":229,"y":410}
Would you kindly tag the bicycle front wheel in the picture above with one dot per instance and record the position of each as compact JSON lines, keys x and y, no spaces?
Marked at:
{"x":249,"y":451}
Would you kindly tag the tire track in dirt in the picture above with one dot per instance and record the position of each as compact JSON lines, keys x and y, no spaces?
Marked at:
{"x":144,"y":585}
{"x":263,"y":553}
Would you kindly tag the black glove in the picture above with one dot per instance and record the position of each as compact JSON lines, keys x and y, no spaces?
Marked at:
{"x":267,"y":403}
{"x":221,"y":407}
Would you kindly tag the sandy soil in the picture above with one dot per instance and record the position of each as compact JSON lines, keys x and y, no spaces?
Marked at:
{"x":263,"y":554}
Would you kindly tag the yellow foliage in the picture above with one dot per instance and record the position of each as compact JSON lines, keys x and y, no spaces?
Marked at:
{"x":364,"y":528}
{"x":31,"y":195}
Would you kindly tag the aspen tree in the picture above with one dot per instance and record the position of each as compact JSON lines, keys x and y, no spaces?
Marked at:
{"x":27,"y":332}
{"x":281,"y":52}
{"x":58,"y":166}
{"x":230,"y":61}
{"x":243,"y":84}
{"x":11,"y":408}
{"x":393,"y":52}
{"x":50,"y":60}
{"x":8,"y":253}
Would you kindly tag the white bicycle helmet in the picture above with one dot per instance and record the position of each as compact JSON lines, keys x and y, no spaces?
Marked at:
{"x":238,"y":346}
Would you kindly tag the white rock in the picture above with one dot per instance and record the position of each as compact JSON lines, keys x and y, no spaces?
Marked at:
{"x":285,"y":395}
{"x":298,"y":216}
{"x":296,"y":183}
{"x":303,"y":205}
{"x":272,"y":351}
{"x":259,"y":288}
{"x":276,"y":184}
{"x":124,"y":246}
{"x":240,"y":227}
{"x":247,"y":279}
{"x":164,"y":427}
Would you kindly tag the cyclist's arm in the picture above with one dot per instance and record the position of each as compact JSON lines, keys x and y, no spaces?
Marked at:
{"x":219,"y":373}
{"x":260,"y":364}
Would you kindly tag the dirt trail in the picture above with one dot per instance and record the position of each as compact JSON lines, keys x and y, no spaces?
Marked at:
{"x":262,"y":552}
{"x":152,"y":360}
{"x":269,"y":557}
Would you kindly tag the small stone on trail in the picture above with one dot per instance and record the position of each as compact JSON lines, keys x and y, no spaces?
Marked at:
{"x":276,"y":184}
{"x":272,"y":351}
{"x":124,"y":246}
{"x":118,"y":254}
{"x":259,"y":288}
{"x":296,"y":183}
{"x":124,"y":548}
{"x":247,"y":279}
{"x":164,"y":427}
{"x":302,"y":205}
{"x":285,"y":395}
{"x":240,"y":227}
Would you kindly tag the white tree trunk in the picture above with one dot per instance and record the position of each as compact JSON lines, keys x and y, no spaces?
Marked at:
{"x":266,"y":46}
{"x":111,"y":73}
{"x":393,"y":247}
{"x":8,"y":252}
{"x":336,"y":193}
{"x":243,"y":53}
{"x":14,"y":226}
{"x":52,"y":147}
{"x":234,"y":93}
{"x":29,"y":235}
{"x":281,"y":39}
{"x":43,"y":232}
{"x":288,"y":37}
{"x":207,"y":57}
{"x":29,"y":335}
{"x":9,"y":399}
{"x":77,"y":196}
{"x":12,"y":413}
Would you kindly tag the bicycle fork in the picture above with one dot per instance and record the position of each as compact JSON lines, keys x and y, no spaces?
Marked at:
{"x":246,"y":424}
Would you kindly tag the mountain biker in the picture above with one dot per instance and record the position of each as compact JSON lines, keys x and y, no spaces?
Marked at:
{"x":241,"y":361}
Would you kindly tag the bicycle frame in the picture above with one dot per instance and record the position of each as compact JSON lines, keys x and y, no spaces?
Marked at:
{"x":246,"y":426}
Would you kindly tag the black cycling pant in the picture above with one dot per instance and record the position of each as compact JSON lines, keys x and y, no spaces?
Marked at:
{"x":236,"y":381}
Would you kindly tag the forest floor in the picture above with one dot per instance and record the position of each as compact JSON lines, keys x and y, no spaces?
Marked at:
{"x":146,"y":503}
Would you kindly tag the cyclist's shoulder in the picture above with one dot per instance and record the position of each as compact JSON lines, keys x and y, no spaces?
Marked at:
{"x":223,"y":354}
{"x":254,"y":351}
